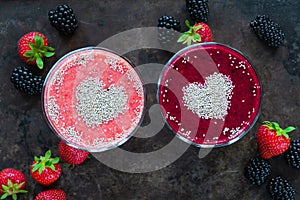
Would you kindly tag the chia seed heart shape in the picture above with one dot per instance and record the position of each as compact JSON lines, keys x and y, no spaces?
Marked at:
{"x":97,"y":105}
{"x":210,"y":100}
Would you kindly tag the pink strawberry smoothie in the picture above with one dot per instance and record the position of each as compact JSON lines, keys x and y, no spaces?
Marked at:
{"x":209,"y":94}
{"x":93,"y":99}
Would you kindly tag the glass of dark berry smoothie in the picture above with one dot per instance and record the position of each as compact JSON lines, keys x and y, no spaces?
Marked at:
{"x":93,"y":99}
{"x":209,"y":94}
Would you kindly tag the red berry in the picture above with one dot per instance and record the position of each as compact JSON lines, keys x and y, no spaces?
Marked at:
{"x":12,"y":182}
{"x":71,"y":155}
{"x":51,"y":194}
{"x":200,"y":32}
{"x":33,"y":47}
{"x":45,"y":170}
{"x":272,"y":140}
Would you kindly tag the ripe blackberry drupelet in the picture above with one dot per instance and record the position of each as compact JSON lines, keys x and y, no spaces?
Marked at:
{"x":280,"y":189}
{"x":292,"y":155}
{"x":25,"y":81}
{"x":267,"y":30}
{"x":257,"y":170}
{"x":198,"y":10}
{"x":63,"y":19}
{"x":167,"y":27}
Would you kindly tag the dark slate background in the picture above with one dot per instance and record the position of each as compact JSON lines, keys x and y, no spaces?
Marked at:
{"x":25,"y":133}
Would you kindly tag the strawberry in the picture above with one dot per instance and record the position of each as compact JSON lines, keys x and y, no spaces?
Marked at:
{"x":71,"y":155}
{"x":200,"y":32}
{"x":33,"y":47}
{"x":12,"y":182}
{"x":45,"y":170}
{"x":272,"y":140}
{"x":51,"y":194}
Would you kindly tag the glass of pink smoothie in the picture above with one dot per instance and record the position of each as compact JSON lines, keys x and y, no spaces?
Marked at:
{"x":209,"y":94}
{"x":93,"y":99}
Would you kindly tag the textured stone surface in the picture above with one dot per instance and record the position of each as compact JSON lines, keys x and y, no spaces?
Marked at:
{"x":219,"y":175}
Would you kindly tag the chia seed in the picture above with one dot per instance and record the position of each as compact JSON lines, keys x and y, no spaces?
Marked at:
{"x":211,"y":99}
{"x":95,"y":105}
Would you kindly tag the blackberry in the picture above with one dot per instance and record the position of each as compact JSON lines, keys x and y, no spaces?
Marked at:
{"x":280,"y":189}
{"x":267,"y":30}
{"x":25,"y":81}
{"x":167,"y":27}
{"x":63,"y":19}
{"x":257,"y":170}
{"x":198,"y":10}
{"x":292,"y":155}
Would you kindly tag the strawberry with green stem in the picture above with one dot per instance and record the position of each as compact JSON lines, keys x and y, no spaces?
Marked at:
{"x":200,"y":32}
{"x":12,"y":182}
{"x":272,"y":140}
{"x":33,"y":48}
{"x":45,"y":169}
